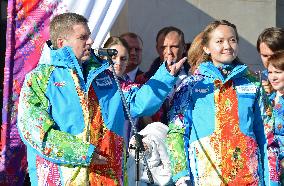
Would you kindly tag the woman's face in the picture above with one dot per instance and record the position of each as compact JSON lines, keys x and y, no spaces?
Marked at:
{"x":222,"y":45}
{"x":120,"y":60}
{"x":276,"y":78}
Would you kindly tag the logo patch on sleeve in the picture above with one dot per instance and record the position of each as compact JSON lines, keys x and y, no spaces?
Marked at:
{"x":60,"y":84}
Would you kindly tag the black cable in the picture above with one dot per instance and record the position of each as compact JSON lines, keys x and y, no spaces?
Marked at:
{"x":138,"y":138}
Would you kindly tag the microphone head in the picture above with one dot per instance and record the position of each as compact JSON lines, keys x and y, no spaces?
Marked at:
{"x":105,"y":52}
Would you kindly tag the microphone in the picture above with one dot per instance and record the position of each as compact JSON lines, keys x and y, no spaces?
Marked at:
{"x":105,"y":52}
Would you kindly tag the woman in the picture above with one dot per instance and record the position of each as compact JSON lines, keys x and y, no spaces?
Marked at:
{"x":216,"y":134}
{"x":121,"y":59}
{"x":276,"y":149}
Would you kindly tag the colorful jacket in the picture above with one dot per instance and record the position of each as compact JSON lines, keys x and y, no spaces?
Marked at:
{"x":64,"y":115}
{"x":276,"y":147}
{"x":216,"y":134}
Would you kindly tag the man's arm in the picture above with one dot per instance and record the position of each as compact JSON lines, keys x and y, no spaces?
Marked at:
{"x":149,"y":98}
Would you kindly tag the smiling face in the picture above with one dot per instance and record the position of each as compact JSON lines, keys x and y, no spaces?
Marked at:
{"x":79,"y":40}
{"x":222,"y":45}
{"x":276,"y":77}
{"x":120,"y":60}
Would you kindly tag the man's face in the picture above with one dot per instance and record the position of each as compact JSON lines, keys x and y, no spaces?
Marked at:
{"x":135,"y":55}
{"x":80,"y":41}
{"x":265,"y":53}
{"x":170,"y":45}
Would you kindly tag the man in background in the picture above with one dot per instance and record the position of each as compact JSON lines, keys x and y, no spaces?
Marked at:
{"x":135,"y":44}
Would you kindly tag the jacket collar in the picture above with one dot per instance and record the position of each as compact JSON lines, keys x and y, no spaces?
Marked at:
{"x":208,"y":69}
{"x":64,"y":57}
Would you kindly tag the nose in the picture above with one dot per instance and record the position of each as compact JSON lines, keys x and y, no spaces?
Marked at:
{"x":272,"y":76}
{"x":227,"y":45}
{"x":118,"y":61}
{"x":132,"y":51}
{"x":90,"y":41}
{"x":169,"y":50}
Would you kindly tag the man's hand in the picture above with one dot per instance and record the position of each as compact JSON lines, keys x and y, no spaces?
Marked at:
{"x":98,"y":159}
{"x":174,"y":67}
{"x":267,"y":87}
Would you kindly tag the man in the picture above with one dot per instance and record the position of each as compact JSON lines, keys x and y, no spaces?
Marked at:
{"x":70,"y":110}
{"x":135,"y":44}
{"x":170,"y":44}
{"x":270,"y":41}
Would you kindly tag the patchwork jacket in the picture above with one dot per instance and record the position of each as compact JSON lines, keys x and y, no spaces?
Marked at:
{"x":218,"y":126}
{"x":64,"y":114}
{"x":276,"y":138}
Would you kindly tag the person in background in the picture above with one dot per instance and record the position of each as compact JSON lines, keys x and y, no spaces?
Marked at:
{"x":216,"y":130}
{"x":120,"y":60}
{"x":70,"y":113}
{"x":170,"y":44}
{"x":270,"y":41}
{"x":135,"y":44}
{"x":275,"y":65}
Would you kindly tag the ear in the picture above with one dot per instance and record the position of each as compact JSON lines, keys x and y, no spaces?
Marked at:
{"x":206,"y":50}
{"x":60,"y":42}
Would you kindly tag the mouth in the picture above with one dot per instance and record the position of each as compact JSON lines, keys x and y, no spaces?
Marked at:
{"x":274,"y":83}
{"x":228,"y":53}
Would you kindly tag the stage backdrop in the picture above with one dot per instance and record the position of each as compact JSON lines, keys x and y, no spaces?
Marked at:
{"x":27,"y":30}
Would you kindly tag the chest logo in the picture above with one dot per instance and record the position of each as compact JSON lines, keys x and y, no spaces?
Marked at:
{"x":201,"y":90}
{"x":103,"y":81}
{"x":246,"y":89}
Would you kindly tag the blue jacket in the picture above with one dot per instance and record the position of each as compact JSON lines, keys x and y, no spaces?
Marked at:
{"x":65,"y":114}
{"x":216,"y":133}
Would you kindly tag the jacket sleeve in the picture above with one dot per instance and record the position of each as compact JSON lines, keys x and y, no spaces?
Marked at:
{"x":263,"y":129}
{"x":145,"y":101}
{"x":178,"y":135}
{"x":36,"y":126}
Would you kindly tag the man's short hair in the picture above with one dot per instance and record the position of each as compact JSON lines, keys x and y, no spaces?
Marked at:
{"x":273,"y":37}
{"x":62,"y":24}
{"x":164,"y":31}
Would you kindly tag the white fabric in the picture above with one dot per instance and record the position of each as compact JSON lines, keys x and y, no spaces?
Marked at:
{"x":154,"y":136}
{"x":132,"y":74}
{"x":100,"y":13}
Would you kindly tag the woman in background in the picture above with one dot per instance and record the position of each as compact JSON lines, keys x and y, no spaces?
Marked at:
{"x":121,"y":59}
